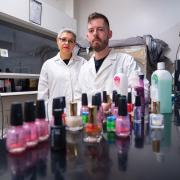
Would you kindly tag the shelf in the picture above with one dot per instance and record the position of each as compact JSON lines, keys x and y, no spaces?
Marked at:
{"x":18,"y":93}
{"x":19,"y":75}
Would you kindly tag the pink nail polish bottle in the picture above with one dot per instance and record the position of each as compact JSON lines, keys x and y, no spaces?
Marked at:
{"x":122,"y":121}
{"x":31,"y":130}
{"x":15,"y":140}
{"x":42,"y":124}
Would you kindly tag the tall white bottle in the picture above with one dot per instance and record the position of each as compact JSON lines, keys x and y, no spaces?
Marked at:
{"x":161,"y":80}
{"x":120,"y":82}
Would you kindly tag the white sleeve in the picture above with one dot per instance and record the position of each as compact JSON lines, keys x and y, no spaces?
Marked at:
{"x":43,"y":89}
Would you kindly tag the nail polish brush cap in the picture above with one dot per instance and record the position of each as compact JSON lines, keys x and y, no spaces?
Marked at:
{"x":16,"y":114}
{"x":84,"y":99}
{"x":122,"y":108}
{"x":29,"y":111}
{"x":58,"y":117}
{"x":40,"y":109}
{"x":105,"y":97}
{"x":138,"y":100}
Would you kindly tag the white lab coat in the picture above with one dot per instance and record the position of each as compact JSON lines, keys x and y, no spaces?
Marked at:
{"x":91,"y":82}
{"x":58,"y":79}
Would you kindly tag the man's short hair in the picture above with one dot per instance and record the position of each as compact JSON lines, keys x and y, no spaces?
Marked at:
{"x":96,"y":15}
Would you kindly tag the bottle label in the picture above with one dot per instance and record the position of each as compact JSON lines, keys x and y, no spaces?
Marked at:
{"x":154,"y":79}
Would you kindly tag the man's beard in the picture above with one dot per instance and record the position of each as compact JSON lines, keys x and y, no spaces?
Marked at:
{"x":99,"y":45}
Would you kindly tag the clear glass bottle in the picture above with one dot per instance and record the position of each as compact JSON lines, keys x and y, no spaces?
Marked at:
{"x":122,"y":121}
{"x":16,"y":139}
{"x":74,"y":121}
{"x":93,"y":130}
{"x":42,"y":124}
{"x":31,"y":130}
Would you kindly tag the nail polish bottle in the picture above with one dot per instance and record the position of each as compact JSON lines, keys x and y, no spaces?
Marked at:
{"x":58,"y":131}
{"x":31,"y":130}
{"x":140,"y":91}
{"x":122,"y":121}
{"x":16,"y":140}
{"x":123,"y":145}
{"x":130,"y":106}
{"x":137,"y":109}
{"x":105,"y":104}
{"x":84,"y":108}
{"x":114,"y":93}
{"x":56,"y":104}
{"x":73,"y":122}
{"x":114,"y":111}
{"x":63,"y":106}
{"x":110,"y":123}
{"x":42,"y":124}
{"x":92,"y":131}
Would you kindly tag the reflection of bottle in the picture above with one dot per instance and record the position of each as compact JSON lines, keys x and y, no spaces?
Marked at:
{"x":16,"y":141}
{"x":139,"y":134}
{"x":42,"y":151}
{"x":17,"y":165}
{"x":58,"y":164}
{"x":156,"y":136}
{"x":123,"y":148}
{"x":42,"y":124}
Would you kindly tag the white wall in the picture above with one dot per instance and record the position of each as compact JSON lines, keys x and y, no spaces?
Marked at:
{"x":54,"y":16}
{"x":128,"y":18}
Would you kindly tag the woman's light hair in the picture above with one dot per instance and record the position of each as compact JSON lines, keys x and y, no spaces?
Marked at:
{"x":68,"y":30}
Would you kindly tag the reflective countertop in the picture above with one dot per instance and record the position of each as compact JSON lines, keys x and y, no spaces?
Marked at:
{"x":147,"y":154}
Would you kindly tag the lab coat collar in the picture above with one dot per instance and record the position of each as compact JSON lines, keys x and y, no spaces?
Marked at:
{"x":108,"y":61}
{"x":73,"y":58}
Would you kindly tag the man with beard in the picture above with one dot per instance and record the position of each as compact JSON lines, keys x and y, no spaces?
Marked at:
{"x":97,"y":74}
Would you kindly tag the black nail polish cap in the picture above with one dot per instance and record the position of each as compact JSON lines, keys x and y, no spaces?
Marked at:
{"x":40,"y":109}
{"x":29,"y":111}
{"x":84,"y":99}
{"x":122,"y":107}
{"x":58,"y":117}
{"x":16,"y":114}
{"x":138,"y":100}
{"x":105,"y":97}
